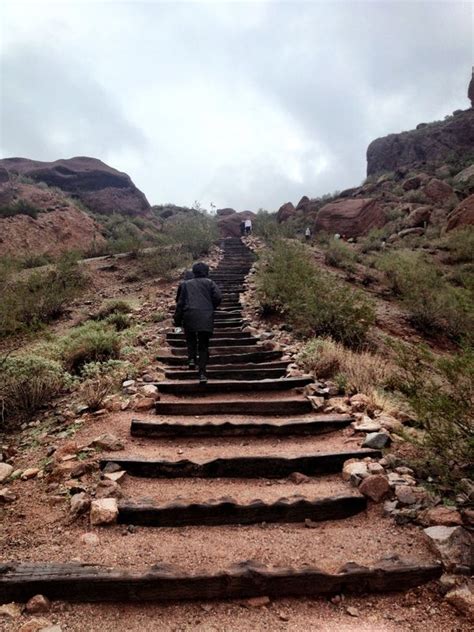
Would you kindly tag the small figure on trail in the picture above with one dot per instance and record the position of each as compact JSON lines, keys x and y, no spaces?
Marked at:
{"x":242,"y":227}
{"x":248,"y":226}
{"x":198,"y":299}
{"x":307,"y":234}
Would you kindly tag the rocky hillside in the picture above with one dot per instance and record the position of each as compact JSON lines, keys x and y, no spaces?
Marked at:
{"x":101,"y":188}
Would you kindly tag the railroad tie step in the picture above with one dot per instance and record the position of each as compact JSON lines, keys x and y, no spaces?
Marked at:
{"x":213,"y":351}
{"x":225,"y":358}
{"x":239,"y":466}
{"x":217,"y":342}
{"x":233,"y":374}
{"x":158,"y":429}
{"x":229,"y":511}
{"x":236,"y":407}
{"x":233,"y":386}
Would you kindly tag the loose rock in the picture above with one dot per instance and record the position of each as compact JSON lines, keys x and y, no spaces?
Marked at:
{"x":104,"y":511}
{"x":7,"y":496}
{"x":108,"y":489}
{"x":376,"y":440}
{"x":446,"y":516}
{"x":108,"y":441}
{"x":30,"y":472}
{"x":298,"y":478}
{"x":10,"y":611}
{"x":452,"y":544}
{"x":5,"y":470}
{"x":80,"y":503}
{"x":375,"y":487}
{"x":462,"y":599}
{"x":38,"y":604}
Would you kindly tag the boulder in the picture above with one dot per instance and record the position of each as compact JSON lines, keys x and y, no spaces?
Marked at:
{"x":5,"y":470}
{"x":229,"y":225}
{"x":418,"y":217}
{"x":350,"y":217}
{"x":462,"y":215}
{"x":104,"y":511}
{"x":439,"y":192}
{"x":452,"y":544}
{"x":375,"y":487}
{"x":436,"y":143}
{"x":286,"y":212}
{"x":100,"y":187}
{"x":465,"y":177}
{"x":412,"y":183}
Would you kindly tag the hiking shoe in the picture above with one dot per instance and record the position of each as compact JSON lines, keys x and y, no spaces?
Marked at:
{"x":202,"y":378}
{"x":192,"y":364}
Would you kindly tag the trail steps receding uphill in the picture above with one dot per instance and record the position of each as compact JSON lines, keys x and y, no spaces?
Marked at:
{"x":248,"y":397}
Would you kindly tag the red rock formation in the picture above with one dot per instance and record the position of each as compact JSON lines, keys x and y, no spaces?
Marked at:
{"x":439,"y":192}
{"x":229,"y":225}
{"x":435,"y":143}
{"x":463,"y":214}
{"x":285,"y":212}
{"x":100,"y":187}
{"x":350,"y":217}
{"x":61,"y":227}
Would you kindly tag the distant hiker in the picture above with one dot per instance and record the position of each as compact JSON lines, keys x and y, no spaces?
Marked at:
{"x":198,"y":299}
{"x":307,"y":233}
{"x":248,"y":226}
{"x":242,"y":227}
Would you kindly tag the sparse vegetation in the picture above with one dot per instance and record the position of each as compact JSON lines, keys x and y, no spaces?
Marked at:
{"x":91,"y":342}
{"x":460,"y":245}
{"x":161,"y":262}
{"x":28,"y":383}
{"x":441,"y":394}
{"x":195,"y":233}
{"x":340,"y":255}
{"x":20,"y":207}
{"x":313,"y":302}
{"x":101,"y":379}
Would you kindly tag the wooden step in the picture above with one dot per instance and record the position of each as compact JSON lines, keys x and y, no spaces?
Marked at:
{"x":82,"y":582}
{"x":230,"y":323}
{"x":319,"y":425}
{"x":228,"y":358}
{"x":236,"y":407}
{"x":217,"y":334}
{"x":233,"y":386}
{"x":214,"y":351}
{"x":229,"y":511}
{"x":238,"y":466}
{"x":218,"y":342}
{"x":243,"y":374}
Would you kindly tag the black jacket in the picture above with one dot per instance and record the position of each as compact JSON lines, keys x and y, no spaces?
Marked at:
{"x":198,"y":298}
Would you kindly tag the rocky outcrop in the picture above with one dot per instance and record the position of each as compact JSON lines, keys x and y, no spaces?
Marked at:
{"x":350,"y":217}
{"x":59,"y":225}
{"x":286,"y":212}
{"x":100,"y":187}
{"x":229,"y":224}
{"x":433,"y":143}
{"x":463,"y":214}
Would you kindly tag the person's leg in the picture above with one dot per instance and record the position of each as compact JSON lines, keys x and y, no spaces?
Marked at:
{"x":203,"y":348}
{"x":191,"y":343}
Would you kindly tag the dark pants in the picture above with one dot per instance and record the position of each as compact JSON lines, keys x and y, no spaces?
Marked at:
{"x":198,"y":347}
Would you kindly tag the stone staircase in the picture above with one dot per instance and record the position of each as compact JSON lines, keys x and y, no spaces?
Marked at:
{"x":248,"y":398}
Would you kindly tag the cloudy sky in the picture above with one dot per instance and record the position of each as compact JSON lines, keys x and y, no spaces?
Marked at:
{"x":243,"y":104}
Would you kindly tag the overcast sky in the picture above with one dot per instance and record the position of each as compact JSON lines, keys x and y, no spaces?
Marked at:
{"x":243,"y":104}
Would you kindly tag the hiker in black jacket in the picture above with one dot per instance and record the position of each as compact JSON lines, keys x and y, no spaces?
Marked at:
{"x":195,"y":306}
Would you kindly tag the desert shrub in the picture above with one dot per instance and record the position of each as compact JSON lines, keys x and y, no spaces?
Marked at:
{"x":27,"y":383}
{"x":119,"y":321}
{"x":460,"y":244}
{"x":159,"y":316}
{"x":91,"y":342}
{"x":358,"y":371}
{"x":463,"y":276}
{"x":162,"y":262}
{"x":434,"y":305}
{"x":415,"y":196}
{"x":113,"y":306}
{"x":194,"y":233}
{"x":374,"y":240}
{"x":101,"y":379}
{"x":20,"y":207}
{"x":314,"y":302}
{"x":340,"y":255}
{"x":441,"y":394}
{"x":265,"y":225}
{"x":35,"y":299}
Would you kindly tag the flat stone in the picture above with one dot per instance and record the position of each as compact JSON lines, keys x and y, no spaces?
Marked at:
{"x":375,"y":487}
{"x":144,"y":404}
{"x":128,"y":383}
{"x":108,"y":441}
{"x":446,"y":516}
{"x":30,"y":472}
{"x":115,"y":476}
{"x":366,"y":424}
{"x":108,"y":489}
{"x":376,"y":440}
{"x":375,"y":468}
{"x":5,"y":470}
{"x":104,"y":511}
{"x":298,"y":478}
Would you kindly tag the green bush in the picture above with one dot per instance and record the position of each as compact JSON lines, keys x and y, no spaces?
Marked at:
{"x":20,"y":207}
{"x":460,"y":244}
{"x":113,"y":306}
{"x":194,"y":233}
{"x":314,"y":302}
{"x":39,"y":297}
{"x":340,"y":255}
{"x":101,"y":379}
{"x":162,"y":262}
{"x":441,"y":394}
{"x":91,"y":342}
{"x":27,"y":384}
{"x":118,"y":320}
{"x":433,"y":304}
{"x":265,"y":225}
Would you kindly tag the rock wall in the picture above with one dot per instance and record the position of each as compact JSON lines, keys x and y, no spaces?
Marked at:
{"x":100,"y":187}
{"x":434,"y":143}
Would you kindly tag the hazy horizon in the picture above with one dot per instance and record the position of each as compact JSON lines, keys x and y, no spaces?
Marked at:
{"x":242,"y":104}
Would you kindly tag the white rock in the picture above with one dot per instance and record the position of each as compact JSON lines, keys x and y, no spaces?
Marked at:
{"x":104,"y":511}
{"x":354,"y":468}
{"x":128,"y":383}
{"x":5,"y":470}
{"x":149,"y":390}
